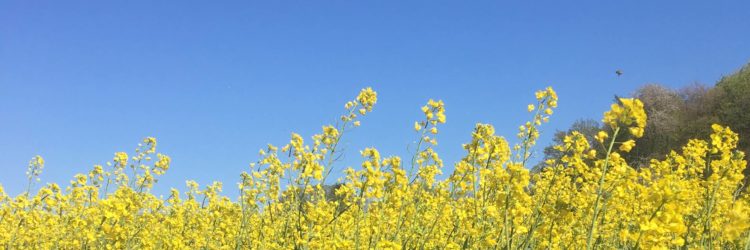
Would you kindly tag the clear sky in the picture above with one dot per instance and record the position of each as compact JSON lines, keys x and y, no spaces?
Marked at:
{"x":80,"y":80}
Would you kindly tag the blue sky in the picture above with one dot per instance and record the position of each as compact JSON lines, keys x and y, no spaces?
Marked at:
{"x":80,"y":80}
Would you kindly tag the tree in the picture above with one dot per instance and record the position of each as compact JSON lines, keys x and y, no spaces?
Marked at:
{"x":587,"y":127}
{"x":734,"y":107}
{"x":662,"y":106}
{"x":676,"y":116}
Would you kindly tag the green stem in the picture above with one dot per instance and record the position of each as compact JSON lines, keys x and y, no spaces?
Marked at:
{"x":592,"y":227}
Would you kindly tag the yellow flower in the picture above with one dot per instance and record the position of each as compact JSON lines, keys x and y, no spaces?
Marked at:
{"x":629,"y":113}
{"x":35,"y":167}
{"x":151,"y":144}
{"x":367,"y":98}
{"x":637,"y":132}
{"x":121,"y":159}
{"x":489,"y":199}
{"x":601,"y":136}
{"x":591,"y":154}
{"x":627,"y":146}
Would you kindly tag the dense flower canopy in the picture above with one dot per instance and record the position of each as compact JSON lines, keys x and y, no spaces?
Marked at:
{"x":589,"y":197}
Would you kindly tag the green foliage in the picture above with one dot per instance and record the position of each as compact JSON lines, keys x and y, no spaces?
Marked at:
{"x":735,"y":103}
{"x":587,"y":127}
{"x":678,"y":115}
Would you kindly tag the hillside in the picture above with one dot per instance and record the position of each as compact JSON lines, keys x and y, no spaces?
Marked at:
{"x":677,"y":115}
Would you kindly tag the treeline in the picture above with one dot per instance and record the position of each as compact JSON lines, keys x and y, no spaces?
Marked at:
{"x":678,"y":115}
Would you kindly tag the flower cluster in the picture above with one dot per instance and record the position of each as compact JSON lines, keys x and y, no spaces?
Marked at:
{"x":589,"y":197}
